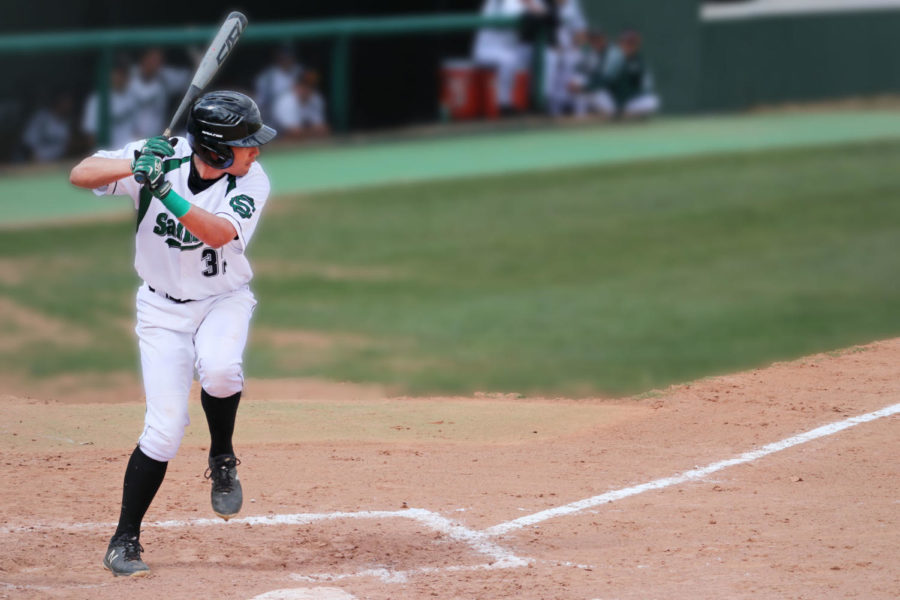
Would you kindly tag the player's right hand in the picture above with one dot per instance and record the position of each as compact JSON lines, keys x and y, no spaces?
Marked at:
{"x":158,"y":146}
{"x":151,"y":167}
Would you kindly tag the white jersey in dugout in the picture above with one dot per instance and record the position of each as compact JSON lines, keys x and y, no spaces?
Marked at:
{"x":167,"y":256}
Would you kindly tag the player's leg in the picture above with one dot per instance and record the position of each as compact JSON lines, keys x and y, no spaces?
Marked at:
{"x":602,"y":103}
{"x":167,"y":358}
{"x":507,"y":65}
{"x":557,"y":83}
{"x":577,"y":84}
{"x":220,"y":342}
{"x":642,"y":106}
{"x":567,"y":81}
{"x":551,"y":72}
{"x":143,"y":476}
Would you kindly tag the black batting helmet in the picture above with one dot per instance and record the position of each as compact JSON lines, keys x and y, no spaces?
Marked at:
{"x":219,"y":120}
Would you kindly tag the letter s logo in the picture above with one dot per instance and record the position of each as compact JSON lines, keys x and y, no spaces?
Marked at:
{"x":243,"y":205}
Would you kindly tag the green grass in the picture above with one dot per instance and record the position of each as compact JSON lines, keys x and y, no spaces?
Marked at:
{"x":614,"y":279}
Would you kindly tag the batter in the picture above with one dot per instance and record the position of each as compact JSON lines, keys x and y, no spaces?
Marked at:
{"x":196,"y":214}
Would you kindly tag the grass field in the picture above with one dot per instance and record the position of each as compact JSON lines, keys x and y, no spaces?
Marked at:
{"x":613,"y":279}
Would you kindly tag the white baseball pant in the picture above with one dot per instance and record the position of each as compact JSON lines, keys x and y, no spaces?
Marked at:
{"x":174,"y":339}
{"x":642,"y":106}
{"x":600,"y":102}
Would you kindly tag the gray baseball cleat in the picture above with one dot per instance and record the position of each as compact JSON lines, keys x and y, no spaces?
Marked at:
{"x":123,"y":556}
{"x":226,"y":493}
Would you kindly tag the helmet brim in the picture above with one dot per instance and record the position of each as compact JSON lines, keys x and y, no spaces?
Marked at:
{"x":263,"y":135}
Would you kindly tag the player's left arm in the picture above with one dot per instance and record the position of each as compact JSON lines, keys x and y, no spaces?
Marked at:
{"x":212,"y":230}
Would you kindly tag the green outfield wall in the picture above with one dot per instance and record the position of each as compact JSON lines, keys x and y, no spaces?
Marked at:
{"x":799,"y":58}
{"x":704,"y":64}
{"x":672,"y":42}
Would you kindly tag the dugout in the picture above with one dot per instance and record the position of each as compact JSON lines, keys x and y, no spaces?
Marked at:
{"x":706,"y":55}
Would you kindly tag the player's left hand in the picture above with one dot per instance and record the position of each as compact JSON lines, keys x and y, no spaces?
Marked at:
{"x":159,"y":146}
{"x":152,"y":168}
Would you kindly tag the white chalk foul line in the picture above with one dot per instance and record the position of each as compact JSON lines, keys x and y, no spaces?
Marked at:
{"x":480,"y":541}
{"x":692,"y":475}
{"x":476,"y":540}
{"x":288,"y":519}
{"x":49,"y":588}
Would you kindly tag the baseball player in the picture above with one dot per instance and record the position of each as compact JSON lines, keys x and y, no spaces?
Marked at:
{"x":633,"y":86}
{"x":501,"y":49}
{"x":597,"y":62}
{"x":195,"y":215}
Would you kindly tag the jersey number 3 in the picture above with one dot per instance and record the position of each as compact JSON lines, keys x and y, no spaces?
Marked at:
{"x":211,"y":260}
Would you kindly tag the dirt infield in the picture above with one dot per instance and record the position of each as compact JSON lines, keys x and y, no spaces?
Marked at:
{"x":350,"y":493}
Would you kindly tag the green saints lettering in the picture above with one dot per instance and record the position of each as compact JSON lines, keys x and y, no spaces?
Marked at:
{"x":160,"y":228}
{"x":176,"y":234}
{"x":243,"y":205}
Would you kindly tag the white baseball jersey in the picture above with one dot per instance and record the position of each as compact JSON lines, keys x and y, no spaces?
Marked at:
{"x":489,"y":41}
{"x":168,"y":257}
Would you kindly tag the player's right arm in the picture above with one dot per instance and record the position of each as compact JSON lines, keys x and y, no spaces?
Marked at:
{"x":110,"y":172}
{"x":95,"y":171}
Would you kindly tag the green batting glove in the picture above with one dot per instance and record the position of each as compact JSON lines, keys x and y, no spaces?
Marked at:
{"x":158,"y":146}
{"x":151,"y":168}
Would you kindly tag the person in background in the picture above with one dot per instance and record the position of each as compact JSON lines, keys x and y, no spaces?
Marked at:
{"x":598,"y":61}
{"x":47,"y":134}
{"x":563,"y":54}
{"x":502,"y":48}
{"x":151,"y":86}
{"x":276,"y":80}
{"x":300,"y":111}
{"x":121,"y":110}
{"x":570,"y":21}
{"x":631,"y":83}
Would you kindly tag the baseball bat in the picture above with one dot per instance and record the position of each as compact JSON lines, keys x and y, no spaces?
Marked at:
{"x":221,"y":46}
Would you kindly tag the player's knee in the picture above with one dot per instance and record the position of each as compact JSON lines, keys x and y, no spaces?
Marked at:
{"x":161,"y":445}
{"x":221,"y":379}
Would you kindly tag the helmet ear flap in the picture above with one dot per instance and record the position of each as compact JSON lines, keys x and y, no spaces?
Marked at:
{"x":218,"y":156}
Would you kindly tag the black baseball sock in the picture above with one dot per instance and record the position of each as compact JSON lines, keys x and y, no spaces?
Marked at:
{"x":143,"y":477}
{"x":220,"y":416}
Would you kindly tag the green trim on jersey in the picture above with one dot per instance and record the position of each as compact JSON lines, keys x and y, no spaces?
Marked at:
{"x":232,"y":183}
{"x":143,"y":205}
{"x":146,"y":197}
{"x":173,"y":163}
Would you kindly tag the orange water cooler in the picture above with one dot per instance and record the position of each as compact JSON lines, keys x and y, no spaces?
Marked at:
{"x":468,"y":91}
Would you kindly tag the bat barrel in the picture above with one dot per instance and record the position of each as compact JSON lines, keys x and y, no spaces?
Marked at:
{"x":216,"y":54}
{"x":239,"y":16}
